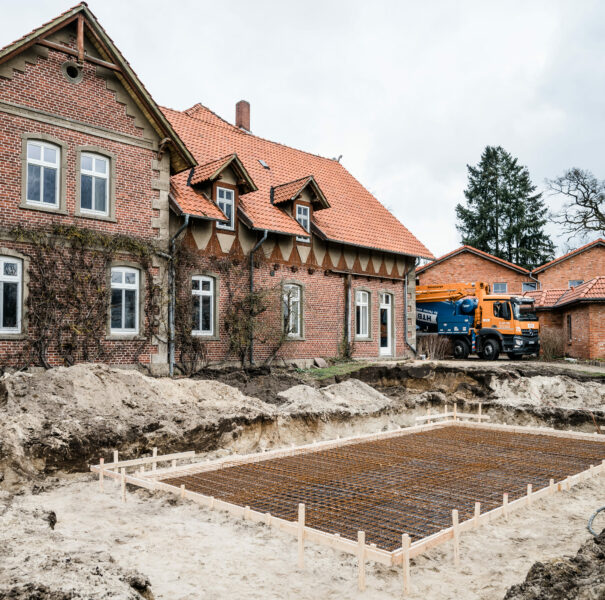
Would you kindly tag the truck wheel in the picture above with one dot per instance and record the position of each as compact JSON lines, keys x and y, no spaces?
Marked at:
{"x":491,"y":349}
{"x":461,"y":348}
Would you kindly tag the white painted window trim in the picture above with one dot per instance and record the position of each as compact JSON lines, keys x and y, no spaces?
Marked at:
{"x":201,"y":293}
{"x":291,"y":293}
{"x":126,"y":286}
{"x":18,"y":279}
{"x":98,"y":175}
{"x":231,"y":225}
{"x":362,"y":304}
{"x":306,"y":217}
{"x":43,"y":164}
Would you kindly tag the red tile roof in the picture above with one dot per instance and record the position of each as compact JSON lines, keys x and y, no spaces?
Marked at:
{"x":472,"y":250}
{"x":193,"y":202}
{"x":590,"y":291}
{"x":593,"y":290}
{"x":354,"y":217}
{"x":206,"y":172}
{"x":598,"y":242}
{"x":289,"y":191}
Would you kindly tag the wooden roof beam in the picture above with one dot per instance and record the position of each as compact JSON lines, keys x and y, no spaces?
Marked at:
{"x":71,"y":52}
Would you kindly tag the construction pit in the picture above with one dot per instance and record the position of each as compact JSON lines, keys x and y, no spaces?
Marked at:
{"x":385,"y":497}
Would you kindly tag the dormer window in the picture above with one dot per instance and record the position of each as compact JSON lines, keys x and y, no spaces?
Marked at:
{"x":226,"y":202}
{"x":303,"y":218}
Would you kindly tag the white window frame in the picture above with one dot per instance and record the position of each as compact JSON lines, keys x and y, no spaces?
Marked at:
{"x":504,"y":291}
{"x":18,"y":279}
{"x":230,"y":226}
{"x":292,"y":292}
{"x":204,"y":293}
{"x":362,"y":302}
{"x":126,"y":286}
{"x":533,"y":286}
{"x":43,"y":164}
{"x":574,"y":283}
{"x":95,"y":175}
{"x":305,"y":217}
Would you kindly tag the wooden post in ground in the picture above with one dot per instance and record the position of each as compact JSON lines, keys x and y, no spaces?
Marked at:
{"x":456,"y":537}
{"x":479,"y":412}
{"x":505,"y":506}
{"x":182,"y":490}
{"x":405,"y":544}
{"x":123,"y":483}
{"x":115,"y":460}
{"x":455,"y":411}
{"x":529,"y":490}
{"x":361,"y":564}
{"x":101,"y":463}
{"x":154,"y":465}
{"x":551,"y":486}
{"x":174,"y":463}
{"x":428,"y":415}
{"x":301,"y":536}
{"x":268,"y":519}
{"x":477,"y":515}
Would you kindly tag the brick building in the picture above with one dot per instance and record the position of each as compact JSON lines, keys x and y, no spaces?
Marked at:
{"x":469,"y":264}
{"x":84,"y":148}
{"x":574,"y":268}
{"x":578,"y":313}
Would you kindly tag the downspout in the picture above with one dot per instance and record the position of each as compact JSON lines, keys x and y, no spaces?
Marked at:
{"x":405,"y":310}
{"x":538,"y":287}
{"x":347,"y":324}
{"x":172,"y":301}
{"x":256,"y":247}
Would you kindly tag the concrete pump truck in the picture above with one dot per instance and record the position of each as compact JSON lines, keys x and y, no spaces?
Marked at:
{"x":477,"y":321}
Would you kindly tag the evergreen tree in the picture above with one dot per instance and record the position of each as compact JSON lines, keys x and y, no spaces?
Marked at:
{"x":503,"y":214}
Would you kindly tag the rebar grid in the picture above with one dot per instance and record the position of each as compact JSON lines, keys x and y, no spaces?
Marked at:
{"x":406,"y":484}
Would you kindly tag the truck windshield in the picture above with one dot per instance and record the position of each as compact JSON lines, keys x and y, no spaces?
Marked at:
{"x":524,"y":311}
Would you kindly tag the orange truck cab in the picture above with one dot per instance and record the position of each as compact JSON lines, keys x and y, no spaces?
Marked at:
{"x":477,"y":321}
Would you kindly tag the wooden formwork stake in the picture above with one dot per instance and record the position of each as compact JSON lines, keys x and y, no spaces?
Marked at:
{"x":174,"y":463}
{"x":246,"y":512}
{"x":477,"y":515}
{"x":551,"y":486}
{"x":445,"y":409}
{"x":101,"y":463}
{"x":455,"y":411}
{"x":268,"y":519}
{"x":182,"y":490}
{"x":405,"y":544}
{"x":529,"y":491}
{"x":123,"y":483}
{"x":592,"y":470}
{"x":456,"y":537}
{"x":115,"y":460}
{"x":479,"y":410}
{"x":361,"y":560}
{"x":505,"y":506}
{"x":154,"y":464}
{"x":428,"y":415}
{"x":567,"y":483}
{"x":301,"y":536}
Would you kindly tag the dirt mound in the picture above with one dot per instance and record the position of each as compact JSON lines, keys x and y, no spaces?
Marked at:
{"x":351,"y":397}
{"x":579,"y":578}
{"x":65,"y":573}
{"x":63,"y":418}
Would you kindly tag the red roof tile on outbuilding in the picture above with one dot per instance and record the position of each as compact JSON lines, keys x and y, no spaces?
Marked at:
{"x":472,"y":250}
{"x":598,"y":242}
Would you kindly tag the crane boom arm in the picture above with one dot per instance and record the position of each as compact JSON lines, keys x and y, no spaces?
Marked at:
{"x":449,"y":291}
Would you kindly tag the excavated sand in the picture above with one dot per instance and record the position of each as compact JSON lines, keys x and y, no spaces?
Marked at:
{"x":188,"y":552}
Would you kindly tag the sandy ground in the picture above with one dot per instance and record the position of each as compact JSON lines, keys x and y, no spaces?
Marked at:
{"x":503,"y":361}
{"x":189,"y":552}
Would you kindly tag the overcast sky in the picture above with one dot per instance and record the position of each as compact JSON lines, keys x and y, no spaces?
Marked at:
{"x":408,"y":92}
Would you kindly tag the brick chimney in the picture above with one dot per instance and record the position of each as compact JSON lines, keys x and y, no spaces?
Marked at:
{"x":242,"y":115}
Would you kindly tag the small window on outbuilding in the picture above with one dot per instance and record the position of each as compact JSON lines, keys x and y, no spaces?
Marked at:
{"x":500,"y":288}
{"x":574,"y":282}
{"x":529,"y":286}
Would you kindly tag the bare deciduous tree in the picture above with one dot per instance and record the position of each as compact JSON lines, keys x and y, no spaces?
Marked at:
{"x":584,"y":208}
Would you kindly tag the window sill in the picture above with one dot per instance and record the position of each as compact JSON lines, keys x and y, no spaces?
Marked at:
{"x":8,"y":337}
{"x":42,"y":208}
{"x":83,"y":215}
{"x":125,"y":337}
{"x":225,"y":229}
{"x":209,"y":338}
{"x":363,"y":339}
{"x":306,"y":241}
{"x":295,"y":338}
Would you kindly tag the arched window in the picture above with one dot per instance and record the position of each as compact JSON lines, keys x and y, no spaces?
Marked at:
{"x":11,"y":283}
{"x":43,"y":174}
{"x":94,"y":184}
{"x":292,"y":310}
{"x":202,"y":290}
{"x":124,"y":300}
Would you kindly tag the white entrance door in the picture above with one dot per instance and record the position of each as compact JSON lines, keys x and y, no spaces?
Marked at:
{"x":386,"y":325}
